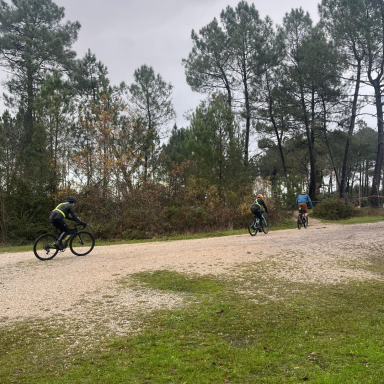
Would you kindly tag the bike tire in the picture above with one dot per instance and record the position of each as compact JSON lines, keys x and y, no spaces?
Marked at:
{"x":305,"y":222}
{"x":264,"y":225}
{"x":82,"y":243}
{"x":299,"y":222}
{"x":43,"y":247}
{"x":251,"y":227}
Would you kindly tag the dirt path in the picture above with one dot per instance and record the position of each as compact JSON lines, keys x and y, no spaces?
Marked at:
{"x":71,"y":287}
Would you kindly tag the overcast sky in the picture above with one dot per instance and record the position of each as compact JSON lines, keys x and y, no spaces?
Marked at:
{"x":125,"y":34}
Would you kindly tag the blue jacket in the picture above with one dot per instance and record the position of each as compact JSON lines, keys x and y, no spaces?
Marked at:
{"x":304,"y":198}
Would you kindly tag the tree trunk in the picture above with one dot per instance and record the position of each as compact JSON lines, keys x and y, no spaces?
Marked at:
{"x":380,"y":149}
{"x":350,"y":132}
{"x":248,"y":117}
{"x":227,"y":87}
{"x":379,"y":111}
{"x":328,"y":146}
{"x":312,"y":159}
{"x":29,"y":111}
{"x":273,"y":121}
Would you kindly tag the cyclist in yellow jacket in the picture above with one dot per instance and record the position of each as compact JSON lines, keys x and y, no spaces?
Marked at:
{"x":64,"y":211}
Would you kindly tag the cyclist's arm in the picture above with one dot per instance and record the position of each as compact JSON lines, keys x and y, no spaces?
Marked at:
{"x":73,"y":216}
{"x":310,"y":202}
{"x":297,"y":202}
{"x":263,"y":204}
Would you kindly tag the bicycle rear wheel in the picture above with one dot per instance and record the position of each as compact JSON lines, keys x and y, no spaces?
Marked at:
{"x":299,"y":222}
{"x":44,"y":248}
{"x":264,"y":225}
{"x":82,"y":243}
{"x":252,"y":228}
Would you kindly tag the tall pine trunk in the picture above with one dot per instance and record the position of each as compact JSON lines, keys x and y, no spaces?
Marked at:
{"x":328,"y":146}
{"x":248,"y":117}
{"x":380,"y":149}
{"x":312,"y":158}
{"x":344,"y":170}
{"x":273,"y":121}
{"x":29,"y":110}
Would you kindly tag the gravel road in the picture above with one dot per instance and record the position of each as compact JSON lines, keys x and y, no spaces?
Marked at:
{"x":79,"y":288}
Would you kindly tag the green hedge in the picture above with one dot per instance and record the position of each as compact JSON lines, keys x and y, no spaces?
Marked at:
{"x":334,"y":209}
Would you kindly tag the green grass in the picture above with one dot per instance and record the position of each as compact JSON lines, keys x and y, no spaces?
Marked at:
{"x":319,"y":334}
{"x":356,"y":220}
{"x":288,"y":224}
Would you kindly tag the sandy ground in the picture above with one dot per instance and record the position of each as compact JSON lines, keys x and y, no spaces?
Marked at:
{"x":80,"y":288}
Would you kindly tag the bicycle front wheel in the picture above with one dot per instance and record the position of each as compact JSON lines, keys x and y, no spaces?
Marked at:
{"x":264,"y":225}
{"x":82,"y":243}
{"x":44,"y":248}
{"x":252,"y":228}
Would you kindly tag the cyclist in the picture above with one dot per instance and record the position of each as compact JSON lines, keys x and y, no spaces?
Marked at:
{"x":256,"y":207}
{"x":64,"y":211}
{"x":302,"y":201}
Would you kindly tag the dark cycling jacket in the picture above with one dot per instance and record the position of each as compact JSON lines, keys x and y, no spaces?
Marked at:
{"x":258,"y":203}
{"x":64,"y":211}
{"x":304,"y":198}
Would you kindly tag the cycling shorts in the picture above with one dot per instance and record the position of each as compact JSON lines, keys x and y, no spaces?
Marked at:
{"x":60,"y":224}
{"x":304,"y":207}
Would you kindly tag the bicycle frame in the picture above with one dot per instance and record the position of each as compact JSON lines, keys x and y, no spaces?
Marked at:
{"x":260,"y":221}
{"x":70,"y":236}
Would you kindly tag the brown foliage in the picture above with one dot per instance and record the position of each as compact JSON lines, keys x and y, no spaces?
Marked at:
{"x":158,"y":210}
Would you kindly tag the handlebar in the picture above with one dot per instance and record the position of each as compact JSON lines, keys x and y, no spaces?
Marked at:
{"x":81,"y":224}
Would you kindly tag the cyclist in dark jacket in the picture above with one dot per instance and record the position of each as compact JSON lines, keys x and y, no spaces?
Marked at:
{"x":64,"y":211}
{"x":256,"y":206}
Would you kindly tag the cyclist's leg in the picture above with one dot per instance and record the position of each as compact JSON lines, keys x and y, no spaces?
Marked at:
{"x":259,"y":216}
{"x":254,"y":210}
{"x":63,"y":230}
{"x":304,"y":209}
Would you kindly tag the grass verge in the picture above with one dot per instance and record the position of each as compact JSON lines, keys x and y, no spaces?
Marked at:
{"x":356,"y":220}
{"x":288,"y":224}
{"x":272,"y":332}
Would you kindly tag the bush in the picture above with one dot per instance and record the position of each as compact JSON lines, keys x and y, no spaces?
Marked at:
{"x":134,"y":234}
{"x":334,"y":209}
{"x":369,"y":211}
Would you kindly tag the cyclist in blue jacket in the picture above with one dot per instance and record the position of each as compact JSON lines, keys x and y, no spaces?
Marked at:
{"x":303,"y":201}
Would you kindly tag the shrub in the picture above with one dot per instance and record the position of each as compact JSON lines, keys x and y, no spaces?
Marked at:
{"x":334,"y":209}
{"x":134,"y":234}
{"x":369,"y":211}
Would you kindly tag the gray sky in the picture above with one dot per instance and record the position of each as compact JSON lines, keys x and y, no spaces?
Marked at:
{"x":124,"y":34}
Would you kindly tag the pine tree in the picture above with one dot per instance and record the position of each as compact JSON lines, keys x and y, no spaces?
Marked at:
{"x":151,"y":98}
{"x":34,"y":41}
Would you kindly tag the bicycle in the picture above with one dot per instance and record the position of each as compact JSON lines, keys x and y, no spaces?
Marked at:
{"x":254,"y":225}
{"x":80,"y":243}
{"x":301,"y":219}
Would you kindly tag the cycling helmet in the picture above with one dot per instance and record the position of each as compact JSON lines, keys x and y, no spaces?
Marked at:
{"x":303,"y":191}
{"x":71,"y":199}
{"x":259,"y":196}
